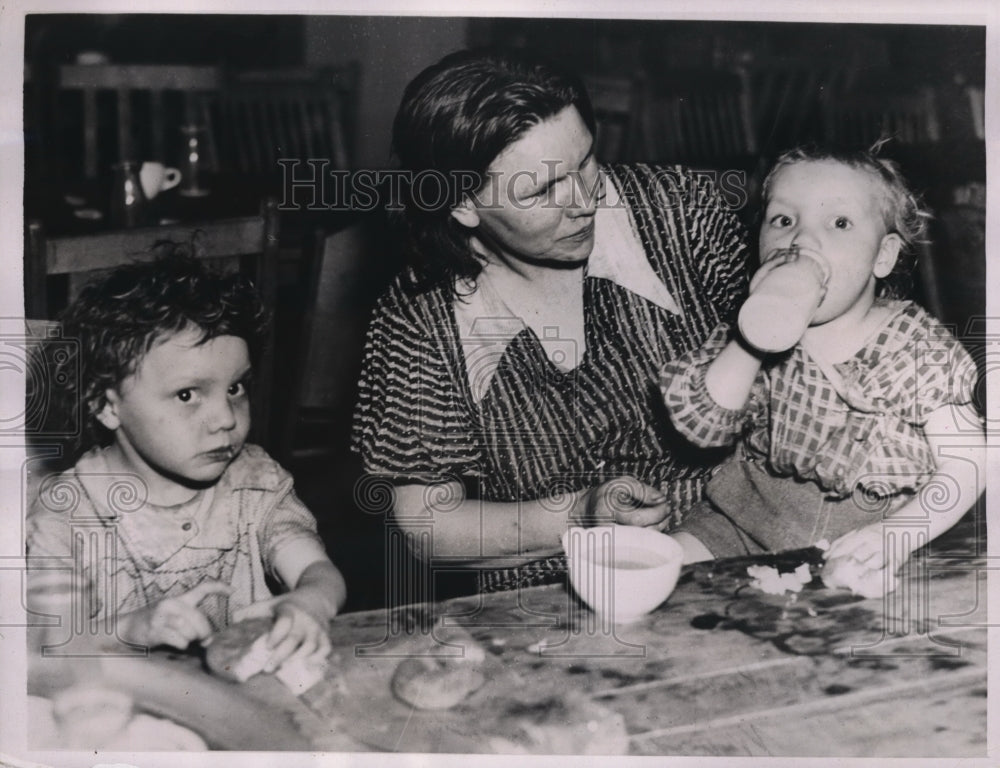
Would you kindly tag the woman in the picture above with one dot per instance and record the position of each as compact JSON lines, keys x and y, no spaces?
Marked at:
{"x":510,"y":377}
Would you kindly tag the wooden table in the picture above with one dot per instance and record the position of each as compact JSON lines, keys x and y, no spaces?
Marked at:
{"x":719,"y":669}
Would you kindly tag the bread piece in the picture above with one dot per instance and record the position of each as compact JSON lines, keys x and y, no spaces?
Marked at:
{"x":566,"y":724}
{"x":240,"y":651}
{"x":300,"y":674}
{"x":435,"y":682}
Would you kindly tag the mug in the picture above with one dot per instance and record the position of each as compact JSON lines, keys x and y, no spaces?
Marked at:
{"x":156,"y":178}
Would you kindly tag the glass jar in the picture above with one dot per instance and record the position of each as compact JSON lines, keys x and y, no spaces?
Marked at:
{"x":128,"y":203}
{"x":193,"y":165}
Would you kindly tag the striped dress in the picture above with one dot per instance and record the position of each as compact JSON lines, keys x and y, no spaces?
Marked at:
{"x":539,"y":431}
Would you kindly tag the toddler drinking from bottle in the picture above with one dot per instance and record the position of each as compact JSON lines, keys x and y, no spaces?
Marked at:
{"x":869,"y":401}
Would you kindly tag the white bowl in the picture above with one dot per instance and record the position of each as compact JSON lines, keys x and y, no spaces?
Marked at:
{"x":622,"y":572}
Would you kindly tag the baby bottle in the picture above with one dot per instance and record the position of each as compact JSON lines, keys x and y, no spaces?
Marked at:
{"x":788,"y":290}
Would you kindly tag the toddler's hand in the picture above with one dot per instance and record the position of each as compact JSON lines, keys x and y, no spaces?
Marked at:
{"x":296,"y":634}
{"x":763,"y":271}
{"x":173,"y":621}
{"x":865,"y":546}
{"x":858,"y":560}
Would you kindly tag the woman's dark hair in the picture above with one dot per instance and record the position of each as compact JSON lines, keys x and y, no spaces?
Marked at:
{"x":903,"y":212}
{"x":454,"y":119}
{"x":114,"y":322}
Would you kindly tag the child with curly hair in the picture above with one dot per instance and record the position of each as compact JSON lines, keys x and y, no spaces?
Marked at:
{"x":201,"y":523}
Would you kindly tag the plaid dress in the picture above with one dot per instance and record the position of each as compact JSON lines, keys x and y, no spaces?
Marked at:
{"x":860,"y":439}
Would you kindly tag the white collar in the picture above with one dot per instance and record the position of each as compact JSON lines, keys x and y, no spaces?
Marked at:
{"x":619,"y":256}
{"x":486,"y":324}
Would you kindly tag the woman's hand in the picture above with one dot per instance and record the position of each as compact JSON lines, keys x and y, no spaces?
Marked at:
{"x":623,"y":501}
{"x":173,"y":621}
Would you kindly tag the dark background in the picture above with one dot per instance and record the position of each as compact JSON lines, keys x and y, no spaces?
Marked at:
{"x":882,"y":60}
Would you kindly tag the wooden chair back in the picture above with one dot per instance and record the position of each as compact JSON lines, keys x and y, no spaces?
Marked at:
{"x":248,"y":244}
{"x":862,"y":117}
{"x":785,"y":98}
{"x":151,"y":103}
{"x":700,"y":118}
{"x":301,"y":114}
{"x":346,"y":272}
{"x":618,"y":107}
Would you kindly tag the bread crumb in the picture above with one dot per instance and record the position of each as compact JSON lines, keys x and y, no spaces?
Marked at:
{"x":768,"y":580}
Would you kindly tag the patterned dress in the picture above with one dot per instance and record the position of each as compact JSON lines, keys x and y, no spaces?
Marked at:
{"x":92,"y":538}
{"x":841,"y":452}
{"x":539,"y":431}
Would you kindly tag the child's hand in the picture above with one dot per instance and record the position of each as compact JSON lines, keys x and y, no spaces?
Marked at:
{"x":173,"y":621}
{"x":865,"y":546}
{"x":858,"y":560}
{"x":296,"y":633}
{"x":763,"y":271}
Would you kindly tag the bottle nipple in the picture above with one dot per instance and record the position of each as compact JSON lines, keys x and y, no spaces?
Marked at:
{"x":781,"y":306}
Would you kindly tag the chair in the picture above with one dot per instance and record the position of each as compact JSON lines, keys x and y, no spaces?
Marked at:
{"x":785,"y":97}
{"x":700,"y":117}
{"x":146,"y":99}
{"x":617,"y":103}
{"x":249,"y":244}
{"x":345,"y":273}
{"x":952,"y":272}
{"x":861,"y":117}
{"x":263,"y":116}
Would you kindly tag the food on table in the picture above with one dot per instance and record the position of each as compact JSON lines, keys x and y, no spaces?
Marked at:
{"x":240,"y":650}
{"x":769,"y":580}
{"x":300,"y":674}
{"x":569,"y":724}
{"x":435,"y":682}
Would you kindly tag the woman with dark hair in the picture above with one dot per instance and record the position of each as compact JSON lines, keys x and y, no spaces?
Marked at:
{"x":510,"y":376}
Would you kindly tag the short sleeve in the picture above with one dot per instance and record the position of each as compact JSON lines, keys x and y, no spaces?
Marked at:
{"x":410,"y":423}
{"x":265,"y":494}
{"x":288,"y":520}
{"x":48,"y":531}
{"x":50,"y":578}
